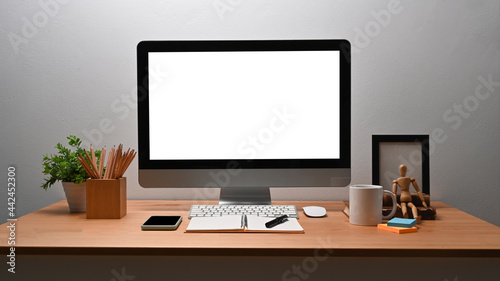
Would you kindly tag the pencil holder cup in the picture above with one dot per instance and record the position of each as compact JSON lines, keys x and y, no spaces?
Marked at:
{"x":106,"y":198}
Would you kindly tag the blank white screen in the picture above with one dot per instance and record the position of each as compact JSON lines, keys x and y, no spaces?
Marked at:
{"x":244,"y":105}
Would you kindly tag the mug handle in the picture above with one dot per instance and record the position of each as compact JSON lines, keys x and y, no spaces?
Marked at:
{"x":394,"y":206}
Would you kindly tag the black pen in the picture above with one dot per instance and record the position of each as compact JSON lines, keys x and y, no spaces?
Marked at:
{"x":276,"y":221}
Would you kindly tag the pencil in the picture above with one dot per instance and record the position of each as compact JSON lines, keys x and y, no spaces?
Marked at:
{"x":103,"y":157}
{"x":89,"y":161}
{"x":123,"y":160}
{"x":117,"y":161}
{"x":128,"y":161}
{"x":108,"y":166}
{"x":86,"y":166}
{"x":114,"y":163}
{"x":92,"y":160}
{"x":92,"y":153}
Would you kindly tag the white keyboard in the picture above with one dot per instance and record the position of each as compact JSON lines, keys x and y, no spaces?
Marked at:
{"x":260,"y":210}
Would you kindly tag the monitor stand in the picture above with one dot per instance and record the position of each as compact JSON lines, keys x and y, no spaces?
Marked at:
{"x":245,"y":196}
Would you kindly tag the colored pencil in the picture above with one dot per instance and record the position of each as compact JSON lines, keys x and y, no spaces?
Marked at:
{"x":116,"y":164}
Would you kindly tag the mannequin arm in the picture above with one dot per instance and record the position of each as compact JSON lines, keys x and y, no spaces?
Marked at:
{"x":414,"y":182}
{"x":395,"y":190}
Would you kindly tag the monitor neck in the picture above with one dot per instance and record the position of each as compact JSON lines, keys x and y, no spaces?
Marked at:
{"x":245,"y":196}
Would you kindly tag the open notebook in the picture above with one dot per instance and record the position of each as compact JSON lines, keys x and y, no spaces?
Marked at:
{"x":241,"y":223}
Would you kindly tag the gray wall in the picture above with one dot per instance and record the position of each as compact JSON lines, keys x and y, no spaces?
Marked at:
{"x":68,"y":67}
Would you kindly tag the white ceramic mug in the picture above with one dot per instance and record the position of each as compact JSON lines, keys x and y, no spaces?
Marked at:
{"x":365,"y":204}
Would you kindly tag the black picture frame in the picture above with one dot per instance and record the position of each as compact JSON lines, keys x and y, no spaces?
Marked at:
{"x":423,"y":140}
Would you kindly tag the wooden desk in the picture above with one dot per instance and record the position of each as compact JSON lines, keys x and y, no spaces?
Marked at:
{"x":54,"y":231}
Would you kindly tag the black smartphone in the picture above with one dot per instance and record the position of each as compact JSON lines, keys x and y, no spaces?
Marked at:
{"x":162,"y":223}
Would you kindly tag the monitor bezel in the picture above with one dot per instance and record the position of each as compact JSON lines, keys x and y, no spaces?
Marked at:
{"x":145,"y":47}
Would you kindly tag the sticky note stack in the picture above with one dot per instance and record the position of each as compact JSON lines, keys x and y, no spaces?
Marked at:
{"x":399,"y":222}
{"x":399,"y":225}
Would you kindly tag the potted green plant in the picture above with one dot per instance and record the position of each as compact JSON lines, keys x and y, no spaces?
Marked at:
{"x":65,"y":167}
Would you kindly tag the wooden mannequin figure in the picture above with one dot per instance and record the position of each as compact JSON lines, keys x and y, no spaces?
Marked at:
{"x":404,"y":182}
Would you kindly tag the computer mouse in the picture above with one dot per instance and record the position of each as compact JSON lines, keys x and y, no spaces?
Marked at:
{"x":314,"y":211}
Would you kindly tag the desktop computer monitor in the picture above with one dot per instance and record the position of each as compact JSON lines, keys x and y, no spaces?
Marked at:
{"x":244,"y":115}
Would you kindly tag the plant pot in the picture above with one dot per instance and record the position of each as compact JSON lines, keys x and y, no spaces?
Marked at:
{"x":76,"y":196}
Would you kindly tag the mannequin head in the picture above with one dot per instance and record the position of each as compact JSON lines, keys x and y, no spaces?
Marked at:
{"x":402,"y":170}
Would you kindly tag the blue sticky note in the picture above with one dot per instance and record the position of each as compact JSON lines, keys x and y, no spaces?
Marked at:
{"x":399,"y":222}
